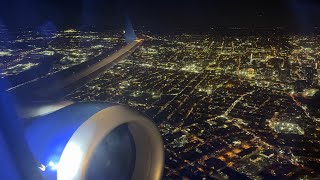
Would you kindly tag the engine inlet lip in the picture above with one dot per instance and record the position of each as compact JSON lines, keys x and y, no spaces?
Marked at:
{"x":149,"y":145}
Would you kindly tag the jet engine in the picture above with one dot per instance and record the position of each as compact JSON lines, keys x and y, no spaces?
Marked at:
{"x":96,"y":141}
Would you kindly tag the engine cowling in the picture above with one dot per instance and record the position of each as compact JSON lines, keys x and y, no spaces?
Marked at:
{"x":96,"y":141}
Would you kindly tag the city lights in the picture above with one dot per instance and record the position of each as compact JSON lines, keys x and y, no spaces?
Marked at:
{"x":237,"y":105}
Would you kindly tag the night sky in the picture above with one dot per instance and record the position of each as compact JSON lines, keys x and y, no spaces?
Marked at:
{"x":162,"y":14}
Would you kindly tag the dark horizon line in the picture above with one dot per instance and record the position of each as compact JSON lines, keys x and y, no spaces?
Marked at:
{"x":101,"y":28}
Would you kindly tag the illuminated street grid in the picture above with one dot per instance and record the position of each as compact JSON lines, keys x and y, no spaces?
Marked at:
{"x":226,"y":107}
{"x":24,"y":50}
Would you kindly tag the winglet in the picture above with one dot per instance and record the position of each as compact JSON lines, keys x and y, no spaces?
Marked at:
{"x":129,"y":33}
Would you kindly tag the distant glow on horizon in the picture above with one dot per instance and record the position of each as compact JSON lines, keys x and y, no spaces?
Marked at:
{"x":70,"y":31}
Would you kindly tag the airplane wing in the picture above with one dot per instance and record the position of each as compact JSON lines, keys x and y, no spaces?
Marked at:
{"x":85,"y":140}
{"x":58,"y":85}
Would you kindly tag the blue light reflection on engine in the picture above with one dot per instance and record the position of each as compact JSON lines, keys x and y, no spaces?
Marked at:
{"x":48,"y":135}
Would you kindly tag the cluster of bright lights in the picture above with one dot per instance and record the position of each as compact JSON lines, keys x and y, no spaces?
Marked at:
{"x":191,"y":68}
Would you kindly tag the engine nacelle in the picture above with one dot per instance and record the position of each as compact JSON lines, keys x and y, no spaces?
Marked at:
{"x":96,"y":141}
